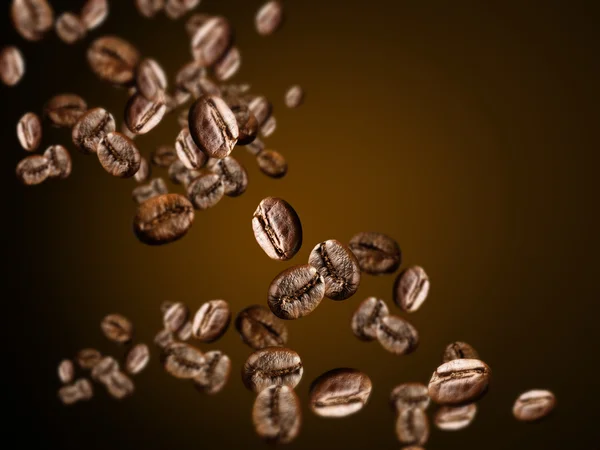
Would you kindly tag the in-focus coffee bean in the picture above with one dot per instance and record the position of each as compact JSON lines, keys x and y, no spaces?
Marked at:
{"x":149,"y":8}
{"x":137,"y":359}
{"x":113,"y":59}
{"x":454,"y":418}
{"x":118,"y":155}
{"x":91,"y":129}
{"x":228,"y":65}
{"x":206,"y":190}
{"x":29,"y":131}
{"x":164,"y":156}
{"x":70,"y":28}
{"x":459,"y":350}
{"x":151,"y":80}
{"x":276,"y":414}
{"x":188,"y":152}
{"x":59,"y":160}
{"x":294,"y":96}
{"x":367,"y":317}
{"x":534,"y":405}
{"x":211,"y":321}
{"x":117,"y":328}
{"x":272,"y":163}
{"x":66,"y":371}
{"x":339,"y":393}
{"x":175,"y":316}
{"x":64,"y":110}
{"x":397,"y":336}
{"x":144,"y":171}
{"x":163,"y":219}
{"x":411,"y":288}
{"x":142,"y":115}
{"x":32,"y":18}
{"x":213,"y":126}
{"x":269,"y":127}
{"x":409,"y":395}
{"x":412,"y":426}
{"x":87,"y":358}
{"x":232,"y":173}
{"x":94,"y":13}
{"x":247,"y":123}
{"x":377,"y":253}
{"x":12,"y":66}
{"x":259,"y":328}
{"x":211,"y":40}
{"x":459,"y":382}
{"x":296,"y":292}
{"x":183,"y":360}
{"x":214,"y":373}
{"x":272,"y":366}
{"x":33,"y":170}
{"x":145,"y":192}
{"x":269,"y":18}
{"x":339,"y":268}
{"x":277,"y":228}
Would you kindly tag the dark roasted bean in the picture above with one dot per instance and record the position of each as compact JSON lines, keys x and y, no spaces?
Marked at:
{"x":211,"y":41}
{"x":377,"y":253}
{"x":397,"y":336}
{"x":272,"y":163}
{"x":175,"y":316}
{"x":411,"y":288}
{"x":261,"y":108}
{"x":12,"y":66}
{"x":272,"y":366}
{"x":412,"y":426}
{"x":188,"y":152}
{"x":459,"y":350}
{"x":149,"y":8}
{"x":66,"y":371}
{"x":339,"y":393}
{"x":151,"y":80}
{"x":142,"y":115}
{"x":118,"y":155}
{"x":294,"y":96}
{"x":145,"y":192}
{"x":94,"y":13}
{"x":64,"y":110}
{"x":367,"y":317}
{"x":29,"y":132}
{"x":259,"y":328}
{"x":59,"y":161}
{"x":276,"y":414}
{"x":183,"y":360}
{"x":91,"y":129}
{"x":214,"y":373}
{"x":206,"y":190}
{"x":164,"y":156}
{"x":453,"y":418}
{"x":113,"y":59}
{"x":268,"y":128}
{"x":211,"y":321}
{"x":137,"y":359}
{"x":119,"y":385}
{"x":213,"y":126}
{"x":534,"y":405}
{"x":233,"y":174}
{"x":33,"y":170}
{"x":81,"y":390}
{"x":459,"y":382}
{"x":269,"y":18}
{"x":143,"y":172}
{"x":277,"y":228}
{"x":296,"y":292}
{"x":409,"y":395}
{"x":163,"y":219}
{"x":247,"y":123}
{"x":104,"y":369}
{"x":32,"y":18}
{"x":70,"y":28}
{"x":228,"y":65}
{"x":117,"y":328}
{"x":339,"y":268}
{"x":88,"y":358}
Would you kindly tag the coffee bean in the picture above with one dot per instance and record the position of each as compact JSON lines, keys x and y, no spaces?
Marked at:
{"x":259,"y":328}
{"x":397,"y":336}
{"x":294,"y":96}
{"x":119,"y":385}
{"x":214,"y":373}
{"x":377,"y":253}
{"x":118,"y":155}
{"x":183,"y":360}
{"x":534,"y":405}
{"x":235,"y":91}
{"x":247,"y":123}
{"x":182,"y":118}
{"x":163,"y":219}
{"x":459,"y":350}
{"x":185,"y":332}
{"x":81,"y":390}
{"x":117,"y":328}
{"x":256,"y":147}
{"x":151,"y":80}
{"x":269,"y":18}
{"x":412,"y":426}
{"x":459,"y":382}
{"x":276,"y":415}
{"x":194,"y":23}
{"x":213,"y":126}
{"x":104,"y":369}
{"x":64,"y":110}
{"x":12,"y":66}
{"x":137,"y":359}
{"x":296,"y":292}
{"x":413,"y":447}
{"x":177,"y":8}
{"x":272,"y":163}
{"x":175,"y":316}
{"x":228,"y":65}
{"x":453,"y":418}
{"x":232,"y":173}
{"x":29,"y":132}
{"x":66,"y":371}
{"x":409,"y":395}
{"x":206,"y":190}
{"x":33,"y":170}
{"x":188,"y":152}
{"x":142,"y":115}
{"x":339,"y":393}
{"x":268,"y":127}
{"x":127,"y":132}
{"x":146,"y":191}
{"x":144,"y":171}
{"x":339,"y":268}
{"x":163,"y":339}
{"x":177,"y":98}
{"x":179,"y":174}
{"x":272,"y":366}
{"x":261,"y":108}
{"x":88,"y":358}
{"x":94,"y":13}
{"x":211,"y":321}
{"x":277,"y":228}
{"x":70,"y":28}
{"x":164,"y":156}
{"x":32,"y":18}
{"x":113,"y":59}
{"x":149,"y":8}
{"x":411,"y":288}
{"x":367,"y":317}
{"x":59,"y":161}
{"x":91,"y":129}
{"x":211,"y":41}
{"x":188,"y":78}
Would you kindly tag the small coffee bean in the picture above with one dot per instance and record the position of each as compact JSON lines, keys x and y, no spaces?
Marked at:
{"x":188,"y":152}
{"x":179,"y":174}
{"x":104,"y":369}
{"x":91,"y":129}
{"x":453,"y":418}
{"x":146,"y":191}
{"x":163,"y":219}
{"x":367,"y":317}
{"x":340,"y":393}
{"x":272,"y":366}
{"x":206,"y":190}
{"x":259,"y":328}
{"x":276,"y":415}
{"x":117,"y":328}
{"x":81,"y":390}
{"x":294,"y":96}
{"x":256,"y":147}
{"x":412,"y":426}
{"x":339,"y":268}
{"x":163,"y":339}
{"x":29,"y":132}
{"x":32,"y":18}
{"x":137,"y":359}
{"x":119,"y":385}
{"x":459,"y":382}
{"x":144,"y":171}
{"x":194,"y":23}
{"x":164,"y":156}
{"x":149,"y":8}
{"x":88,"y":358}
{"x":94,"y":13}
{"x":411,"y":288}
{"x":151,"y":80}
{"x":142,"y":115}
{"x":66,"y":371}
{"x":211,"y":41}
{"x":233,"y":174}
{"x":59,"y":161}
{"x":175,"y":317}
{"x":70,"y":28}
{"x":397,"y":336}
{"x":174,"y":9}
{"x":277,"y":228}
{"x":189,"y":79}
{"x":118,"y":155}
{"x":377,"y":253}
{"x":185,"y":332}
{"x":177,"y":98}
{"x":211,"y":321}
{"x":247,"y":123}
{"x":183,"y":360}
{"x":12,"y":66}
{"x":64,"y":110}
{"x":228,"y":65}
{"x":272,"y":163}
{"x":268,"y":128}
{"x":214,"y":373}
{"x":213,"y":126}
{"x":409,"y":395}
{"x":261,"y":108}
{"x":296,"y":292}
{"x":33,"y":170}
{"x":459,"y":350}
{"x":534,"y":405}
{"x":182,"y":118}
{"x":113,"y":59}
{"x":269,"y":18}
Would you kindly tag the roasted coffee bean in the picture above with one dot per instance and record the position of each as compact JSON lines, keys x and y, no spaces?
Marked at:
{"x":412,"y":426}
{"x":142,"y":115}
{"x":113,"y":59}
{"x":59,"y":161}
{"x":163,"y":219}
{"x":409,"y":395}
{"x":206,"y":190}
{"x":175,"y":316}
{"x":33,"y":170}
{"x":269,"y":18}
{"x":151,"y":80}
{"x":256,"y":147}
{"x":94,"y":13}
{"x":272,"y":163}
{"x":163,"y":339}
{"x":29,"y":132}
{"x":70,"y":28}
{"x":261,"y":108}
{"x":276,"y":415}
{"x":177,"y":98}
{"x":268,"y":127}
{"x":211,"y":41}
{"x":459,"y":382}
{"x":453,"y":418}
{"x":185,"y":332}
{"x":377,"y":253}
{"x":174,"y":9}
{"x":64,"y":110}
{"x":214,"y":373}
{"x":183,"y":360}
{"x":32,"y":18}
{"x":247,"y":123}
{"x":367,"y":317}
{"x":88,"y":358}
{"x":397,"y":336}
{"x":66,"y":371}
{"x":228,"y":65}
{"x":117,"y":328}
{"x":81,"y":390}
{"x":339,"y":268}
{"x":164,"y":156}
{"x":235,"y":91}
{"x":459,"y":350}
{"x":104,"y":369}
{"x":12,"y":66}
{"x":411,"y":288}
{"x":179,"y":174}
{"x":144,"y":171}
{"x":339,"y":393}
{"x":188,"y":152}
{"x":294,"y":96}
{"x":272,"y":366}
{"x":277,"y":228}
{"x":233,"y":174}
{"x":534,"y":405}
{"x":296,"y":292}
{"x":211,"y":321}
{"x":137,"y":359}
{"x":145,"y":192}
{"x":119,"y":385}
{"x":194,"y":23}
{"x":213,"y":126}
{"x":182,"y":118}
{"x":259,"y":328}
{"x":118,"y":155}
{"x":92,"y":128}
{"x":188,"y":78}
{"x":149,"y":8}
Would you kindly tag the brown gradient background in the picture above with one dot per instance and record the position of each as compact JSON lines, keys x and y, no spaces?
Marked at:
{"x":466,"y":130}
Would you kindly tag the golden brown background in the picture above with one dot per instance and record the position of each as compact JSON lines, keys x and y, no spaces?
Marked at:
{"x":466,"y":130}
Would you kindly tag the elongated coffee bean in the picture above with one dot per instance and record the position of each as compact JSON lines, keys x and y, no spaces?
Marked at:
{"x":211,"y":40}
{"x":276,"y":415}
{"x":339,"y":268}
{"x":119,"y":385}
{"x":183,"y":361}
{"x":294,"y":96}
{"x":189,"y":79}
{"x":179,"y":174}
{"x":145,"y":192}
{"x":211,"y":321}
{"x":137,"y":359}
{"x":256,"y":147}
{"x":117,"y":328}
{"x":66,"y":371}
{"x":459,"y":350}
{"x":268,"y":127}
{"x":194,"y":23}
{"x":412,"y":426}
{"x":269,"y":18}
{"x":163,"y":219}
{"x":33,"y":170}
{"x":272,"y":366}
{"x":164,"y":156}
{"x":64,"y":110}
{"x":232,"y":173}
{"x":367,"y":317}
{"x":409,"y":395}
{"x":163,"y":339}
{"x":142,"y":115}
{"x":87,"y":358}
{"x":12,"y":66}
{"x":454,"y":418}
{"x":214,"y":373}
{"x":277,"y":228}
{"x":339,"y":393}
{"x":259,"y":328}
{"x":188,"y":152}
{"x":149,"y":8}
{"x":113,"y":59}
{"x":144,"y":171}
{"x":377,"y":253}
{"x":397,"y":336}
{"x":261,"y":108}
{"x":94,"y":13}
{"x":213,"y":126}
{"x":247,"y":123}
{"x":151,"y":80}
{"x":32,"y":18}
{"x":175,"y":316}
{"x":185,"y":332}
{"x":29,"y":132}
{"x":104,"y":369}
{"x":174,"y":9}
{"x":534,"y":405}
{"x":459,"y":382}
{"x":411,"y":288}
{"x":91,"y":129}
{"x":59,"y":161}
{"x":70,"y":28}
{"x":82,"y":389}
{"x":296,"y":292}
{"x":206,"y":190}
{"x":272,"y":163}
{"x":228,"y":65}
{"x":118,"y":155}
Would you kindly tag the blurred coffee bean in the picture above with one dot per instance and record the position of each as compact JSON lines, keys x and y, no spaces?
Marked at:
{"x":29,"y":132}
{"x":113,"y":59}
{"x":137,"y":359}
{"x":70,"y":28}
{"x":145,"y":192}
{"x":91,"y":129}
{"x":269,"y":18}
{"x":272,"y":366}
{"x":118,"y":155}
{"x":163,"y":219}
{"x":33,"y":170}
{"x":459,"y":350}
{"x":64,"y":110}
{"x":294,"y":96}
{"x":87,"y":358}
{"x":339,"y":393}
{"x":259,"y":328}
{"x":296,"y":292}
{"x":206,"y":190}
{"x":151,"y":80}
{"x":189,"y":78}
{"x":534,"y":405}
{"x":339,"y":268}
{"x":228,"y":65}
{"x":32,"y":18}
{"x":164,"y":156}
{"x":188,"y":152}
{"x":232,"y":173}
{"x":377,"y":253}
{"x":261,"y":108}
{"x":412,"y":426}
{"x":80,"y":390}
{"x":163,"y":339}
{"x":194,"y":23}
{"x":247,"y":123}
{"x":268,"y":128}
{"x":454,"y":418}
{"x":183,"y":360}
{"x":12,"y":66}
{"x":185,"y":332}
{"x":104,"y":369}
{"x":175,"y":316}
{"x":272,"y":163}
{"x":397,"y":336}
{"x":211,"y":321}
{"x":211,"y":40}
{"x":277,"y":228}
{"x":276,"y":414}
{"x":59,"y":160}
{"x":411,"y":288}
{"x":143,"y":172}
{"x":94,"y":13}
{"x":459,"y":382}
{"x":66,"y":371}
{"x":367,"y":317}
{"x":149,"y":8}
{"x":142,"y":115}
{"x":119,"y":385}
{"x":117,"y":328}
{"x":213,"y":126}
{"x":179,"y":174}
{"x":256,"y":147}
{"x":409,"y":395}
{"x":214,"y":373}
